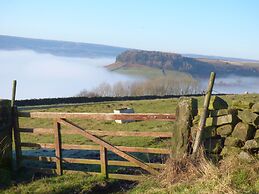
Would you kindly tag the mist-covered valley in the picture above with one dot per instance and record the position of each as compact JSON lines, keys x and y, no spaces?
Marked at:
{"x":44,"y":75}
{"x":236,"y":85}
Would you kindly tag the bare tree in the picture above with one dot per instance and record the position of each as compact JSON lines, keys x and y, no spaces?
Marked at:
{"x":160,"y":86}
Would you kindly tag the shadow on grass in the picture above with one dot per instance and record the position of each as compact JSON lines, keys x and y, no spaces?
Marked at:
{"x":26,"y":181}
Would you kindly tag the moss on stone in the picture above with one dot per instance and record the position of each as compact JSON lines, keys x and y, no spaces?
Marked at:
{"x":217,"y":121}
{"x":247,"y":116}
{"x":252,"y":144}
{"x":233,"y":142}
{"x":230,"y":151}
{"x":242,"y":104}
{"x":244,"y":131}
{"x":225,"y":130}
{"x":255,"y":108}
{"x":221,"y":112}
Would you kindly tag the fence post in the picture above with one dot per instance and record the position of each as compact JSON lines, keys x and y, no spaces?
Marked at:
{"x":104,"y":161}
{"x":5,"y":135}
{"x":185,"y":112}
{"x":13,"y":93}
{"x":17,"y":138}
{"x":204,"y":114}
{"x":15,"y":126}
{"x":58,"y":151}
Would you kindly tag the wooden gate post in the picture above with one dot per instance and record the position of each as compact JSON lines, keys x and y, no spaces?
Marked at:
{"x":17,"y":138}
{"x":204,"y":114}
{"x":5,"y":134}
{"x":58,"y":149}
{"x":15,"y":125}
{"x":186,"y":109}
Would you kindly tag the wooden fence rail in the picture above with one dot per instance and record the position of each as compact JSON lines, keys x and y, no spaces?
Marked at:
{"x":96,"y":147}
{"x":100,"y":116}
{"x":42,"y":131}
{"x":100,"y":145}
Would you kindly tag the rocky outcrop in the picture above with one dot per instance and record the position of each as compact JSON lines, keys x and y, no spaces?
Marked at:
{"x":177,"y":62}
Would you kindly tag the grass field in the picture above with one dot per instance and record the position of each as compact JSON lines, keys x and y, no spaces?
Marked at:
{"x":141,"y":106}
{"x":147,"y":72}
{"x":155,"y":106}
{"x":85,"y":183}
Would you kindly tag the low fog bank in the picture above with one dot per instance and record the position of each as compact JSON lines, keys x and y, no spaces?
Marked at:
{"x":45,"y":75}
{"x":234,"y":84}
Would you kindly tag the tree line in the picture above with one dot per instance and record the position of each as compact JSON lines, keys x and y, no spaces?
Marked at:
{"x":158,"y":86}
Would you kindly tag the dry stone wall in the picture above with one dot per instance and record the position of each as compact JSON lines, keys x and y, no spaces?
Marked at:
{"x":230,"y":129}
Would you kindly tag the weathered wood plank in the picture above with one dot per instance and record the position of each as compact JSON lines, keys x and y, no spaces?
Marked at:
{"x":58,"y":151}
{"x":88,"y":161}
{"x":67,"y":160}
{"x":144,"y":150}
{"x":108,"y":146}
{"x":40,"y":131}
{"x":13,"y":93}
{"x":100,"y":116}
{"x":43,"y":131}
{"x":96,"y":147}
{"x":130,"y":164}
{"x":104,"y":161}
{"x":81,"y":161}
{"x":17,"y":138}
{"x":131,"y":133}
{"x":202,"y":122}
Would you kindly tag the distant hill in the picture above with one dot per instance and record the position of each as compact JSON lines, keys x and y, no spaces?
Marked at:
{"x":231,"y":59}
{"x":149,"y":63}
{"x":165,"y":62}
{"x":59,"y":48}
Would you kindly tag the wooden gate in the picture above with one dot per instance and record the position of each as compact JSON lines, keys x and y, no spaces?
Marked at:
{"x":62,"y":119}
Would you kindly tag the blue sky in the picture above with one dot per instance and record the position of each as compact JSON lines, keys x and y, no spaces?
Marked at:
{"x":219,"y":27}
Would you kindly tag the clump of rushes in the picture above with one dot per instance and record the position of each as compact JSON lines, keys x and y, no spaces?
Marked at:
{"x":199,"y":175}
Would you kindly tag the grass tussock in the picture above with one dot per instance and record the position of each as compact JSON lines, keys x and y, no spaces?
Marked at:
{"x":199,"y":175}
{"x":180,"y":170}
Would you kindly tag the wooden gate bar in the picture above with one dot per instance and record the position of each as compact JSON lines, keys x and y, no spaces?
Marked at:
{"x":104,"y":161}
{"x":100,"y":116}
{"x":96,"y":147}
{"x":108,"y":146}
{"x":58,"y":150}
{"x":88,"y":161}
{"x":100,"y":133}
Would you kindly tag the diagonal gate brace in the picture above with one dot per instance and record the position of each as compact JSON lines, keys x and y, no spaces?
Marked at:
{"x":110,"y":147}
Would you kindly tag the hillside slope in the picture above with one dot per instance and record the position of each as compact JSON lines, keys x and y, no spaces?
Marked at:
{"x":176,"y":62}
{"x":59,"y":48}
